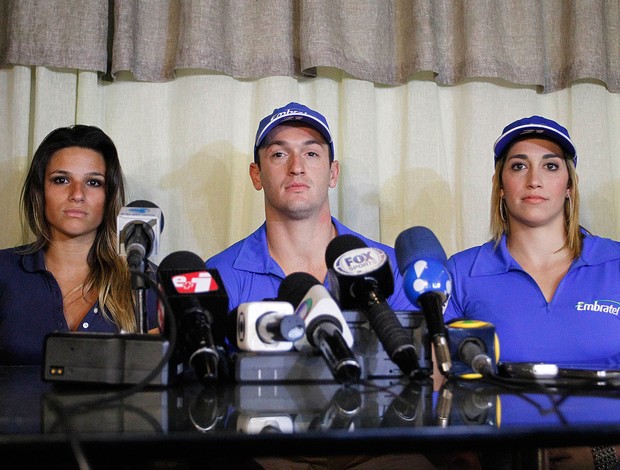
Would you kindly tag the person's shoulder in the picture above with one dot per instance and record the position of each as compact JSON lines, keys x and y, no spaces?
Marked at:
{"x":470,"y":254}
{"x":599,"y":249}
{"x":227,"y":256}
{"x":481,"y":260}
{"x":344,"y":230}
{"x":6,"y":253}
{"x":381,"y":246}
{"x":600,"y":241}
{"x":14,"y":253}
{"x":15,"y":261}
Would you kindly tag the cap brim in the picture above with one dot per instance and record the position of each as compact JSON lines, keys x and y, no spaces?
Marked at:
{"x":533,"y":131}
{"x":311,"y":121}
{"x":301,"y":117}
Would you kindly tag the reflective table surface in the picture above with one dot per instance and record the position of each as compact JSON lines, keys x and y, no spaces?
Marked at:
{"x":253,"y":419}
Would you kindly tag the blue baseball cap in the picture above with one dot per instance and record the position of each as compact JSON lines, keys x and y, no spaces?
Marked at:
{"x":533,"y":127}
{"x":294,"y":112}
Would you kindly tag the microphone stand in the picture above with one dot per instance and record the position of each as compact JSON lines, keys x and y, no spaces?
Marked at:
{"x":139,"y":287}
{"x":137,"y":255}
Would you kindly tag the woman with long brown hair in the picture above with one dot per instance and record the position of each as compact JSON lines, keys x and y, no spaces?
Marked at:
{"x":69,"y":277}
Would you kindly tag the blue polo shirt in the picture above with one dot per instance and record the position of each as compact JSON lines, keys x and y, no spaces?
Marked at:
{"x":581,"y":324}
{"x":31,"y":306}
{"x":250,"y":274}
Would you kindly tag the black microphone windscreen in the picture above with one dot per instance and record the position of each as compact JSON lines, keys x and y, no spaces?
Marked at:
{"x":416,"y":243}
{"x":152,"y":205}
{"x":230,"y":325}
{"x":340,"y":245}
{"x":295,"y":286}
{"x":182,"y":260}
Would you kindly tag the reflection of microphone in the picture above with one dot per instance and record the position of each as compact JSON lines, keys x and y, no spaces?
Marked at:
{"x":458,"y":405}
{"x":199,"y":304}
{"x":271,"y":424}
{"x":139,"y":226}
{"x":426,"y":282}
{"x":363,"y":279}
{"x":444,"y":407}
{"x":412,"y":407}
{"x":326,"y":328}
{"x":342,"y":409}
{"x":204,"y":411}
{"x":474,"y":348}
{"x":265,"y":326}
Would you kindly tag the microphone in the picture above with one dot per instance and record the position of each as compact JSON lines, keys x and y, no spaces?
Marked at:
{"x":326,"y":328}
{"x":427,"y":284}
{"x":265,"y":326}
{"x":199,"y":305}
{"x":362,"y":278}
{"x":474,"y":348}
{"x":139,"y":226}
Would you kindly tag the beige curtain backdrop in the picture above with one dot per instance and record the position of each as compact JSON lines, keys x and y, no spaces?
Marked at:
{"x":413,"y":154}
{"x":416,"y":92}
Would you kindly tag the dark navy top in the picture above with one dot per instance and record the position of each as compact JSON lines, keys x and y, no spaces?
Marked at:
{"x":31,"y":306}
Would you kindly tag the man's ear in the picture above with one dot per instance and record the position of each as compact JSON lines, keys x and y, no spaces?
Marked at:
{"x":255,"y":176}
{"x":334,"y":172}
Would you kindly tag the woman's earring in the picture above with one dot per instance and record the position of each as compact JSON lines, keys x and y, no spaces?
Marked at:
{"x":502,"y":211}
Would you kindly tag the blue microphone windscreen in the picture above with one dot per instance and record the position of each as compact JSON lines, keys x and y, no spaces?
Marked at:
{"x":416,"y":243}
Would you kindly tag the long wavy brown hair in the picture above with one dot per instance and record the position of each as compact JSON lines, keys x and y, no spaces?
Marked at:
{"x":108,"y":274}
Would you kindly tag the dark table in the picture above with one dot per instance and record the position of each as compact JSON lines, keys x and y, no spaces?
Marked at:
{"x":193,"y":422}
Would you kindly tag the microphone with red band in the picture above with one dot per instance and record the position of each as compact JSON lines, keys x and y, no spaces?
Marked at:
{"x":363,"y":279}
{"x":326,"y":328}
{"x":427,"y":284}
{"x":199,"y":305}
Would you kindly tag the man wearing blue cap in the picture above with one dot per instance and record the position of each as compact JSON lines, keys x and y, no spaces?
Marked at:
{"x":294,"y":166}
{"x":550,"y":287}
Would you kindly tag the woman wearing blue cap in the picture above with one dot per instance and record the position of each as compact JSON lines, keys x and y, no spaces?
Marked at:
{"x":551,"y":288}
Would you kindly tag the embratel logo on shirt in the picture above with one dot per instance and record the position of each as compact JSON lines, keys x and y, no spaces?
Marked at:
{"x":604,"y":306}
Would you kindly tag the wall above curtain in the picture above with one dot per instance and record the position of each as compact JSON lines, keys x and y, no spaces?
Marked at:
{"x":547,"y":43}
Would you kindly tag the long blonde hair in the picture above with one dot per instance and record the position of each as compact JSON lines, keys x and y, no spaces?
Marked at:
{"x":499,"y":220}
{"x":108,"y":273}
